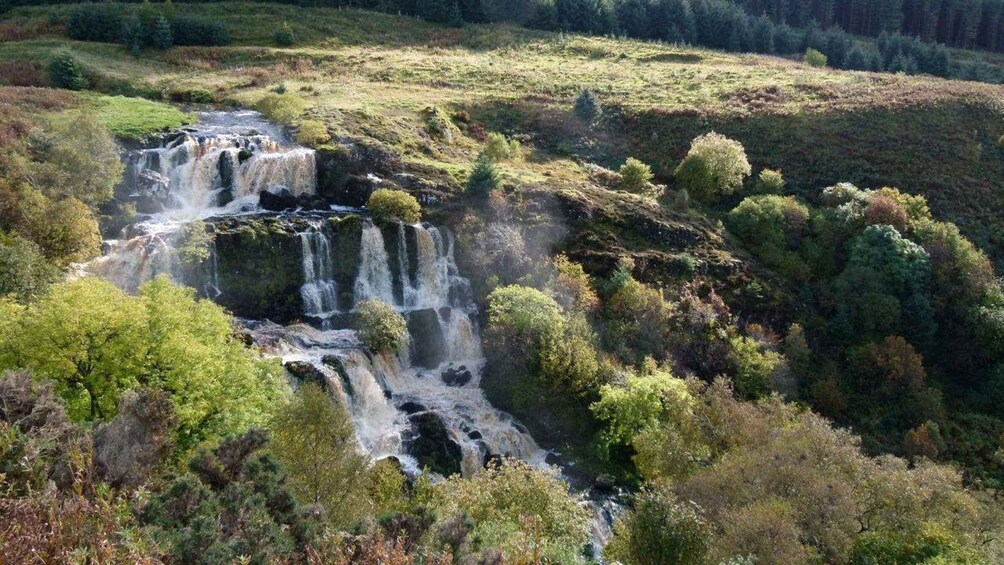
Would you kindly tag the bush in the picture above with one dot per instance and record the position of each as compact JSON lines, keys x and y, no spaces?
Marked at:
{"x":635,"y":175}
{"x":312,"y":133}
{"x":484,"y":177}
{"x":380,"y":327}
{"x":283,"y":35}
{"x":814,"y":58}
{"x":95,"y":22}
{"x":65,"y":72}
{"x":282,"y":108}
{"x":394,"y":205}
{"x":660,"y":529}
{"x":194,"y":31}
{"x":715,"y":166}
{"x":498,"y":148}
{"x":587,"y":106}
{"x":24,"y":271}
{"x":772,"y":227}
{"x":769,"y":181}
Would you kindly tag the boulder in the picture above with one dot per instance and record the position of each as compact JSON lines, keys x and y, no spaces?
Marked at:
{"x":226,"y":167}
{"x":605,"y":483}
{"x":412,"y":407}
{"x":336,"y":364}
{"x":429,"y":442}
{"x":277,"y":201}
{"x":305,"y":373}
{"x":456,"y":377}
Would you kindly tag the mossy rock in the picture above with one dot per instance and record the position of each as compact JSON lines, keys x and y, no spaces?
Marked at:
{"x":346,"y":234}
{"x":432,"y":446}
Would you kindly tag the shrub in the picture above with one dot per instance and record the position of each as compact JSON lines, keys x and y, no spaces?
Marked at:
{"x":635,"y":175}
{"x":312,"y":133}
{"x":884,"y":210}
{"x":95,"y":22}
{"x":282,"y":108}
{"x":438,"y":123}
{"x":505,"y":499}
{"x":194,"y":31}
{"x":814,"y":58}
{"x":65,"y":72}
{"x":772,"y":227}
{"x":484,"y":177}
{"x":714,"y":166}
{"x":380,"y":327}
{"x":394,"y":205}
{"x":498,"y":148}
{"x":660,"y":528}
{"x":24,"y":271}
{"x":769,"y":181}
{"x":587,"y":106}
{"x":283,"y":35}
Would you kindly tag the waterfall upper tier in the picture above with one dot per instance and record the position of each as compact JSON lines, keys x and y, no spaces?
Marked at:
{"x":222,"y":165}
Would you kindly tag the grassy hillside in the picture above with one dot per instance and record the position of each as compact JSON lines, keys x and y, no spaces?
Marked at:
{"x":368,"y":76}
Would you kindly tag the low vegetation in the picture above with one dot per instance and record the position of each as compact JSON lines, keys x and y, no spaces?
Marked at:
{"x":380,"y":327}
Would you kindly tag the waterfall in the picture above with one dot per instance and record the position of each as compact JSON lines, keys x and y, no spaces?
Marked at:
{"x":319,"y":291}
{"x":374,"y":280}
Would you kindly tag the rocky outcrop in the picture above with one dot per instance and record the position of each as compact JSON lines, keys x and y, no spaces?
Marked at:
{"x":259,"y":264}
{"x":429,"y":442}
{"x":347,"y":174}
{"x":428,"y":343}
{"x":305,"y":373}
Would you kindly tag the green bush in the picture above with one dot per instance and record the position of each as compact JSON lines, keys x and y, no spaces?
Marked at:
{"x":772,"y":226}
{"x":380,"y":327}
{"x":484,"y":177}
{"x":65,"y":72}
{"x":498,"y":148}
{"x":312,"y":133}
{"x":635,"y":175}
{"x":587,"y":106}
{"x":394,"y":205}
{"x":282,"y":108}
{"x":814,"y":58}
{"x":715,"y":166}
{"x":660,"y":528}
{"x":769,"y":181}
{"x":24,"y":271}
{"x":195,"y":31}
{"x":284,"y":36}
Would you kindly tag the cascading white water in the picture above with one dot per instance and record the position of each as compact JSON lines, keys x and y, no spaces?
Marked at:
{"x":374,"y":280}
{"x":319,"y":290}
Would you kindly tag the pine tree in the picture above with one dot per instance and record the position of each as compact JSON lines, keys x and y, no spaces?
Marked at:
{"x":484,"y":177}
{"x":163,"y":38}
{"x":132,"y":35}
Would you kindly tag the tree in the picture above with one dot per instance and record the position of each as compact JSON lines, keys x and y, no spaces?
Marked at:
{"x":526,"y":513}
{"x":96,"y":342}
{"x":388,"y":205}
{"x":66,"y":72}
{"x":77,"y":157}
{"x":314,"y":440}
{"x":132,"y":34}
{"x":659,"y":529}
{"x":587,"y":106}
{"x":24,"y":271}
{"x":715,"y":166}
{"x":284,"y":36}
{"x":484,"y":177}
{"x":163,"y":37}
{"x":773,"y":227}
{"x":380,"y":327}
{"x":498,"y":148}
{"x":635,"y":176}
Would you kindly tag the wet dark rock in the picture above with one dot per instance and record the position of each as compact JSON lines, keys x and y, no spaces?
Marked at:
{"x":152,"y":192}
{"x":277,"y":201}
{"x":346,"y":234}
{"x":429,"y":442}
{"x":428,"y":343}
{"x":244,"y":155}
{"x":343,"y":172}
{"x":605,"y":483}
{"x":336,"y":365}
{"x":456,"y":377}
{"x":474,"y":434}
{"x":226,"y":168}
{"x":305,"y":373}
{"x":412,"y":407}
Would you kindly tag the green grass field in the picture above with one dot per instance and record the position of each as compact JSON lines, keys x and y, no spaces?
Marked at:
{"x":367,"y":76}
